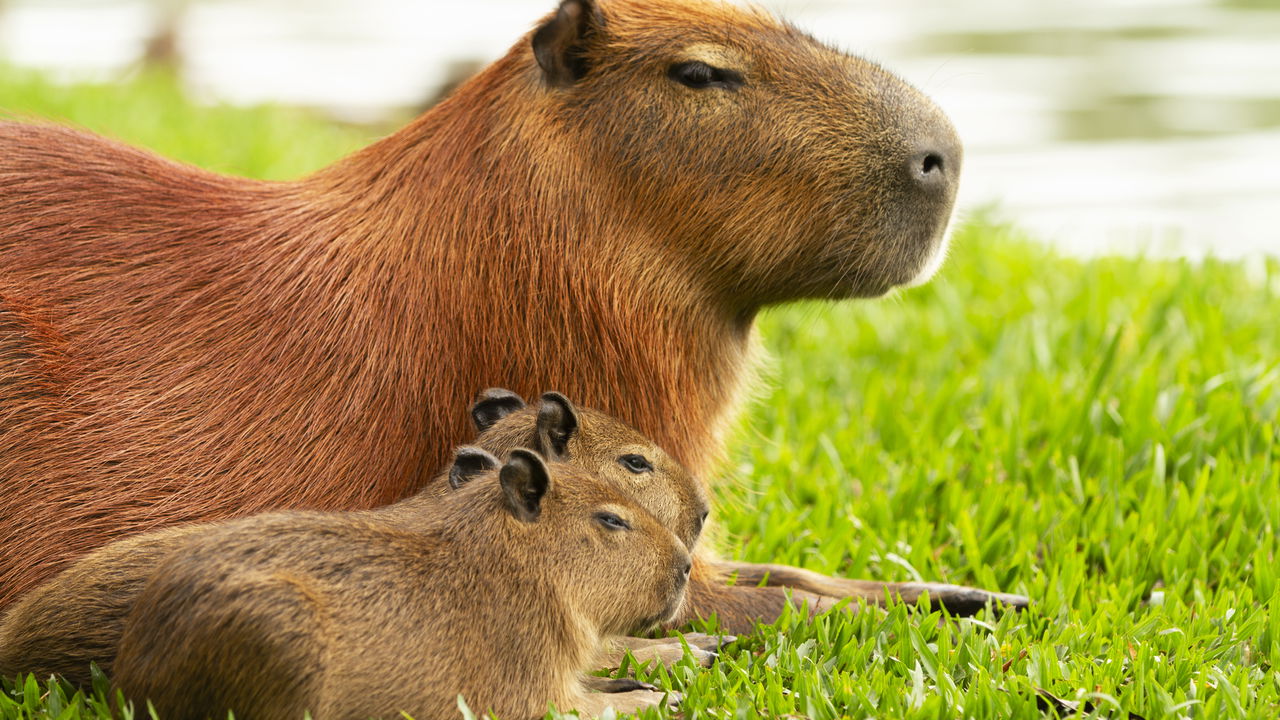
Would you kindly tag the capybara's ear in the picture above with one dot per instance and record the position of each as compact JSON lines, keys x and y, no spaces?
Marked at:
{"x":557,"y":422}
{"x":468,"y":462}
{"x":524,"y":481}
{"x":492,"y":405}
{"x":559,"y":43}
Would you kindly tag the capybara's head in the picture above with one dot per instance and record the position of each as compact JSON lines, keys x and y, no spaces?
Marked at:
{"x":611,"y":560}
{"x":600,"y":444}
{"x":801,"y":171}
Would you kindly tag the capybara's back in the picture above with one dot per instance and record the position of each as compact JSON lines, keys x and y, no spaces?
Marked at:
{"x":74,"y":619}
{"x":78,"y":218}
{"x":143,"y":318}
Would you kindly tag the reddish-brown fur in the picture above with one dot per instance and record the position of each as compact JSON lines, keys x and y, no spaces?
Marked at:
{"x":177,"y":345}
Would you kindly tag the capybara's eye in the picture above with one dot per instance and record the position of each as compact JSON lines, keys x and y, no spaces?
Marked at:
{"x":611,"y":521}
{"x":636,"y":463}
{"x":699,"y":75}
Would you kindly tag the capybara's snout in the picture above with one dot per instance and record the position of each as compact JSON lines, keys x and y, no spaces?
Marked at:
{"x":934,"y":160}
{"x":909,"y":148}
{"x":680,"y":569}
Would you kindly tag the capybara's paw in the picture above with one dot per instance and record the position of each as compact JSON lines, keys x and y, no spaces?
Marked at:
{"x":616,"y":685}
{"x":665,"y":651}
{"x":706,"y":648}
{"x":958,"y":600}
{"x":594,"y":705}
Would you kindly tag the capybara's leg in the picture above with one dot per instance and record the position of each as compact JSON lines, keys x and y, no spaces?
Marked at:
{"x":593,"y":705}
{"x":665,"y":651}
{"x":253,"y":644}
{"x":957,"y":599}
{"x":738,"y":608}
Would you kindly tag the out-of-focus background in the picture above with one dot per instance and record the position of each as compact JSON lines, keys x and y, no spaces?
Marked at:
{"x":1097,"y":125}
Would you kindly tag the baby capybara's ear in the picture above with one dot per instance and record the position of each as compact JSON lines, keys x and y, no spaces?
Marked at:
{"x":468,"y":462}
{"x":525,"y":481}
{"x":559,"y":44}
{"x":557,"y":422}
{"x":492,"y":405}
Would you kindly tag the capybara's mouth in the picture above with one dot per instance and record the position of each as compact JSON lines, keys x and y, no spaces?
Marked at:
{"x":934,"y":261}
{"x":922,"y":252}
{"x":675,"y":604}
{"x":673,"y":607}
{"x":935,"y":254}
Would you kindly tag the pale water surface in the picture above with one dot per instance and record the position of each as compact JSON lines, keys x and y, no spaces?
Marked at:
{"x":1099,"y":125}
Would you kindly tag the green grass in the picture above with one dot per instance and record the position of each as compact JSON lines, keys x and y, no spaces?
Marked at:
{"x":1082,"y":432}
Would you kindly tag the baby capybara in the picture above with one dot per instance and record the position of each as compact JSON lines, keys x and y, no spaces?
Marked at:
{"x":500,"y":592}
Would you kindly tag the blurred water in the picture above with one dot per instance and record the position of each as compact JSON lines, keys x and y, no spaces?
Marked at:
{"x":1099,"y":125}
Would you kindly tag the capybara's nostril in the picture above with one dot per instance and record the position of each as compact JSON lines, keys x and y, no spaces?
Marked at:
{"x":932,"y":163}
{"x":932,"y":169}
{"x":680,"y":578}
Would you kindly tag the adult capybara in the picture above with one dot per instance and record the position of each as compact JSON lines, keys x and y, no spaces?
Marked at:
{"x":500,"y":592}
{"x":623,"y":191}
{"x":77,"y":617}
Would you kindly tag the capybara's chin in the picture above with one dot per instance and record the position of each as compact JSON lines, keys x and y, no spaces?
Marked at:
{"x":934,"y":258}
{"x":674,"y":606}
{"x":924,"y":244}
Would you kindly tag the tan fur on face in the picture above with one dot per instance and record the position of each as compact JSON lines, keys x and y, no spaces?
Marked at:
{"x":177,"y":345}
{"x":669,"y":492}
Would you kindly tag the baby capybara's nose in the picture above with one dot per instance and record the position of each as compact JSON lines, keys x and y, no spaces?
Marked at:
{"x":682,"y":572}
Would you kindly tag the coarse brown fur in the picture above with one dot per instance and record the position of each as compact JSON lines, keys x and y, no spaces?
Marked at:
{"x":76,"y":617}
{"x":177,"y":345}
{"x":500,"y":592}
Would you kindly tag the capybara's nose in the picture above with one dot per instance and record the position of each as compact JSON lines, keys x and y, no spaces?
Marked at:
{"x":682,"y":575}
{"x":935,"y":166}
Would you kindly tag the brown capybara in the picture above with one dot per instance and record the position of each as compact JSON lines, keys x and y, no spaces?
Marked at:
{"x":500,"y":592}
{"x":76,"y":617}
{"x":622,"y":193}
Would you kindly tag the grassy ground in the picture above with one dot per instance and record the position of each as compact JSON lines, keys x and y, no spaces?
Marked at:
{"x":1099,"y":435}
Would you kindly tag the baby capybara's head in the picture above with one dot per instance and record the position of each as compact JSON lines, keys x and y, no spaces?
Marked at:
{"x":608,"y":557}
{"x":602,"y":445}
{"x":802,"y":171}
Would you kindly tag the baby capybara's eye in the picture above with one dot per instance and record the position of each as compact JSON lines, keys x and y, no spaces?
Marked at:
{"x":700,"y":76}
{"x":611,"y":521}
{"x":636,"y":463}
